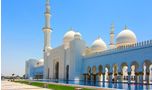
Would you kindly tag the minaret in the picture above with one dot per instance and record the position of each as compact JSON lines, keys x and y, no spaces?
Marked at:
{"x":47,"y":28}
{"x":112,"y":45}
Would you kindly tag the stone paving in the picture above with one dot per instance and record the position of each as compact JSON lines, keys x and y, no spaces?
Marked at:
{"x":7,"y":85}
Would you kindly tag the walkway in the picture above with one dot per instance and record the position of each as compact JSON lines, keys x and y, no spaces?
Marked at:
{"x":6,"y":85}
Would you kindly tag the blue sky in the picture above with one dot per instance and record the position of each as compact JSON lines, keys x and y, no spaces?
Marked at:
{"x":23,"y":20}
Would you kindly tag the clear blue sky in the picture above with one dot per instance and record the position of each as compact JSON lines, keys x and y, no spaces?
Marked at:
{"x":22,"y":22}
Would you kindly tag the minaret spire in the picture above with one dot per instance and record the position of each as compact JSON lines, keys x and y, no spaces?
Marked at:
{"x":47,"y":27}
{"x":112,"y":28}
{"x":47,"y":14}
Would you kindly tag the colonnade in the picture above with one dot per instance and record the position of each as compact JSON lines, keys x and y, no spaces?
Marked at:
{"x":133,"y":72}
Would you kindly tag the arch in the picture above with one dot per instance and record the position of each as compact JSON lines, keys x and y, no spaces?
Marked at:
{"x":115,"y":72}
{"x":124,"y":68}
{"x":57,"y":70}
{"x":146,"y":71}
{"x":107,"y":71}
{"x":100,"y":68}
{"x":94,"y":69}
{"x":89,"y":70}
{"x":88,"y":73}
{"x":124,"y":64}
{"x":107,"y":66}
{"x":100,"y":71}
{"x":67,"y":72}
{"x":115,"y":68}
{"x":94,"y":73}
{"x":136,"y":64}
{"x":147,"y":63}
{"x":133,"y":71}
{"x":134,"y":74}
{"x":150,"y":76}
{"x":48,"y":73}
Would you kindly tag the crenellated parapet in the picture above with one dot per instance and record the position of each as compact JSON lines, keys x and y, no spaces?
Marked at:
{"x":139,"y":45}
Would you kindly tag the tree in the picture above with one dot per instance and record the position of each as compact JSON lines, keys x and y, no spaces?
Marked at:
{"x":13,"y":76}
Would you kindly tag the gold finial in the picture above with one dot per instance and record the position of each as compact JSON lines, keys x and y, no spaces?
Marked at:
{"x":98,"y":37}
{"x":47,"y":1}
{"x":112,"y":28}
{"x":71,"y":29}
{"x":125,"y":27}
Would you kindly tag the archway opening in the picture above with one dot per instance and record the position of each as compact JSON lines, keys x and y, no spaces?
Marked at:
{"x":146,"y":67}
{"x":124,"y":68}
{"x":115,"y":73}
{"x":134,"y":74}
{"x":89,"y":73}
{"x":67,"y":72}
{"x":48,"y":73}
{"x":57,"y":70}
{"x":100,"y":75}
{"x":107,"y":72}
{"x":94,"y":73}
{"x":150,"y":76}
{"x":144,"y":73}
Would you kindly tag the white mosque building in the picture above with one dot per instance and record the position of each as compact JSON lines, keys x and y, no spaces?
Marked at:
{"x":125,"y":60}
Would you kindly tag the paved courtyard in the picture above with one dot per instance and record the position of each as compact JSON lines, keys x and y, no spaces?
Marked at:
{"x":6,"y":85}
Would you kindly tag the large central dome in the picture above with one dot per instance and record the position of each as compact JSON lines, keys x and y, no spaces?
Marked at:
{"x":98,"y":45}
{"x":126,"y":37}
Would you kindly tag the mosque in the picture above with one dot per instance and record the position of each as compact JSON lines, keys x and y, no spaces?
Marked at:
{"x":125,"y":60}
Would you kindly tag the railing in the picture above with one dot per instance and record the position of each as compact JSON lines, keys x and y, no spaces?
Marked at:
{"x":122,"y":48}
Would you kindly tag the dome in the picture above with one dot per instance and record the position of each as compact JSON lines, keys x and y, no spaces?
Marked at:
{"x":125,"y":37}
{"x":69,"y":36}
{"x":77,"y":35}
{"x":41,"y":60}
{"x":98,"y":45}
{"x":40,"y":63}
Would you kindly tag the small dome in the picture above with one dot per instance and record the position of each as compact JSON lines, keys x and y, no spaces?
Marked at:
{"x":77,"y":35}
{"x":98,"y":45}
{"x":41,"y":60}
{"x":69,"y":36}
{"x":125,"y":37}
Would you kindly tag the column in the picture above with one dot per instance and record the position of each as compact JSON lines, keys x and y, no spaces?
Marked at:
{"x":115,"y":77}
{"x":147,"y":75}
{"x":119,"y":74}
{"x":129,"y":74}
{"x":103,"y":81}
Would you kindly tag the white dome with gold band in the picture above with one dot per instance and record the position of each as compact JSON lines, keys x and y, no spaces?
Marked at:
{"x":69,"y":36}
{"x":98,"y":45}
{"x":125,"y":37}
